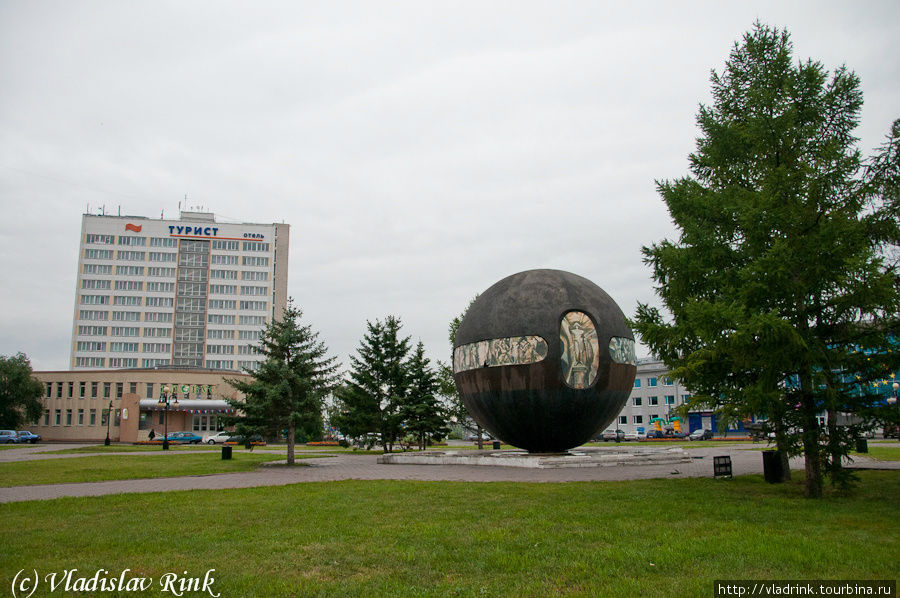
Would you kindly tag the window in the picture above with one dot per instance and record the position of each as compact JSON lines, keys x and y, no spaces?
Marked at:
{"x":255,"y":246}
{"x":131,"y":256}
{"x":653,"y":401}
{"x":190,"y":304}
{"x":106,"y":387}
{"x":160,"y":301}
{"x":190,"y":319}
{"x":248,"y":350}
{"x":93,"y":417}
{"x":90,"y":314}
{"x":160,"y":272}
{"x":95,"y":299}
{"x":149,"y":390}
{"x":252,"y":320}
{"x":98,"y":254}
{"x":221,"y":319}
{"x":99,"y":285}
{"x":57,"y":417}
{"x":248,"y":335}
{"x":71,"y":389}
{"x":157,"y":347}
{"x":133,"y":241}
{"x":670,"y":399}
{"x":220,"y":349}
{"x":46,"y":417}
{"x":216,"y":333}
{"x":81,"y":417}
{"x":126,"y":300}
{"x":82,"y":389}
{"x":638,"y":419}
{"x":95,"y":386}
{"x":224,"y":260}
{"x":254,"y":275}
{"x":124,"y":331}
{"x":68,"y":417}
{"x":651,"y":381}
{"x":223,"y":289}
{"x":623,"y":419}
{"x":123,"y":362}
{"x":92,"y":331}
{"x":161,"y":256}
{"x":129,"y":285}
{"x":157,"y":316}
{"x":59,"y":386}
{"x":129,"y":270}
{"x":254,"y":305}
{"x":637,"y":382}
{"x":90,"y":346}
{"x":49,"y":392}
{"x":126,"y":316}
{"x":98,"y":268}
{"x":161,"y":417}
{"x":152,"y":363}
{"x":189,"y":334}
{"x":667,"y":381}
{"x":225,"y":245}
{"x":254,"y":261}
{"x":99,"y":239}
{"x":222,"y":304}
{"x":196,"y":260}
{"x":119,"y":388}
{"x":132,"y":387}
{"x":89,"y":362}
{"x":192,"y":274}
{"x":248,"y":365}
{"x":163,"y":242}
{"x":123,"y":347}
{"x":160,"y":287}
{"x":636,"y":401}
{"x":223,"y":274}
{"x":191,"y":289}
{"x":219,"y":364}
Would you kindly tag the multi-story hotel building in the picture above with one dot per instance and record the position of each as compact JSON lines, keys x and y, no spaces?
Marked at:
{"x":189,"y":293}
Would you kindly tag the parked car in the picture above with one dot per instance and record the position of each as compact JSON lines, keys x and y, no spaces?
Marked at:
{"x":9,"y":437}
{"x":183,"y":438}
{"x":632,"y":436}
{"x":701,"y":435}
{"x":655,"y":434}
{"x":27,"y":436}
{"x":218,"y":438}
{"x":255,"y":440}
{"x":617,"y":435}
{"x":474,"y":437}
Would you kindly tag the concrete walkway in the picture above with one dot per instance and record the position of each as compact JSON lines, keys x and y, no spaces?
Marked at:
{"x":745,"y":460}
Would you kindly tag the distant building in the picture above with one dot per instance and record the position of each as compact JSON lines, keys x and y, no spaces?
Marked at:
{"x":190,"y":292}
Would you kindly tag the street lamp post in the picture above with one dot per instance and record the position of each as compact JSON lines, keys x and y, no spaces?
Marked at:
{"x":893,"y":400}
{"x":168,"y":396}
{"x":108,"y":417}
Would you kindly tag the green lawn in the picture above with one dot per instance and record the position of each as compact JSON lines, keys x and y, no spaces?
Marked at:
{"x":882,"y":453}
{"x":126,"y":467}
{"x":404,"y":538}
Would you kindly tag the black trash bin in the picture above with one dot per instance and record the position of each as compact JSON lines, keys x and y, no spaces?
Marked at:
{"x":496,"y":445}
{"x":862,"y":445}
{"x":773,"y":468}
{"x":226,"y":452}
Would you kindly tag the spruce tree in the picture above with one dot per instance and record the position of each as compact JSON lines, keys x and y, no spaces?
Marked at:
{"x":369,"y":401}
{"x":781,"y":300}
{"x":422,"y":414}
{"x":286,"y":392}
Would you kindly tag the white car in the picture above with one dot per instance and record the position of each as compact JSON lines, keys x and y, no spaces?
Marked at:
{"x":218,"y":438}
{"x":632,"y":436}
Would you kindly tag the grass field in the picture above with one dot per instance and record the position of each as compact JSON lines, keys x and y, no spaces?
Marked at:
{"x":127,"y":467}
{"x":403,"y":538}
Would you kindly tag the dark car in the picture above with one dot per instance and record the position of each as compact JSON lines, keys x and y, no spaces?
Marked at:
{"x":655,"y":434}
{"x":701,"y":435}
{"x":9,"y":437}
{"x":26,"y":436}
{"x":183,"y":438}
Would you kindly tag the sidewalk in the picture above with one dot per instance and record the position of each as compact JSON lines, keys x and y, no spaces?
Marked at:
{"x":364,"y":467}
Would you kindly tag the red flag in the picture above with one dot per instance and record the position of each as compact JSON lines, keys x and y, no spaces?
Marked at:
{"x":133,"y":227}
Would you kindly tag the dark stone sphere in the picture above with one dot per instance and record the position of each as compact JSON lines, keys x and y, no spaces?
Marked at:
{"x":544,"y":360}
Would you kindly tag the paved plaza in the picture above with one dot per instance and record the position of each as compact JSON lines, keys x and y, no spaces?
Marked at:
{"x":746,"y":459}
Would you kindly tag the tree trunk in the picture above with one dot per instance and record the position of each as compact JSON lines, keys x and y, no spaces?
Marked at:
{"x":810,"y":438}
{"x":480,"y":441}
{"x":290,"y":443}
{"x":781,"y":445}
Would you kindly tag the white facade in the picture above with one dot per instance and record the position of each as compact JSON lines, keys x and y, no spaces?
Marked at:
{"x":191,"y":292}
{"x":655,"y":394}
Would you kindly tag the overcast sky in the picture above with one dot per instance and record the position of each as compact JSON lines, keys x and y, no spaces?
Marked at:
{"x":420,"y":151}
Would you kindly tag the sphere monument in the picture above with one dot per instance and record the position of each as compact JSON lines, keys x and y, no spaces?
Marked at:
{"x":543,"y":360}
